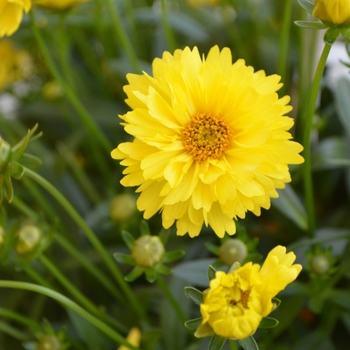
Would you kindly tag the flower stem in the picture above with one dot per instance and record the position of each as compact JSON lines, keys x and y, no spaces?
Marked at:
{"x":86,"y":117}
{"x":169,"y":34}
{"x":111,"y":265}
{"x":28,"y":322}
{"x":70,"y":305}
{"x":233,"y":345}
{"x":309,"y":197}
{"x":163,"y":286}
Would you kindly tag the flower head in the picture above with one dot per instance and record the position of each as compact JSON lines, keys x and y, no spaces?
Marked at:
{"x":11,"y":13}
{"x":332,"y":11}
{"x":59,"y":4}
{"x":236,"y":302}
{"x":211,"y":141}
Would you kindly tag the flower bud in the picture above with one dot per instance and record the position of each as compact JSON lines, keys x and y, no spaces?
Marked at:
{"x":49,"y":342}
{"x":332,"y":11}
{"x":147,"y":251}
{"x":319,"y":264}
{"x":233,"y":250}
{"x":28,"y":238}
{"x":122,"y":207}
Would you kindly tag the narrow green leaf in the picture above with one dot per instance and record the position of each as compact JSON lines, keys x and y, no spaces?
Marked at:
{"x":268,"y":322}
{"x":164,"y":235}
{"x":249,"y":343}
{"x":193,"y":324}
{"x":311,"y":24}
{"x":144,"y":227}
{"x":212,"y":248}
{"x":194,"y":294}
{"x":216,"y":343}
{"x":8,"y":187}
{"x":211,"y":272}
{"x":306,"y":5}
{"x":124,"y":258}
{"x":135,"y":273}
{"x":128,"y":239}
{"x":175,"y":255}
{"x":162,"y":269}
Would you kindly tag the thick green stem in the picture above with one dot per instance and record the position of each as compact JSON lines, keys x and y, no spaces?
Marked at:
{"x":86,"y":117}
{"x":70,"y":305}
{"x":110,"y":263}
{"x":169,"y":34}
{"x":163,"y":286}
{"x":307,"y":171}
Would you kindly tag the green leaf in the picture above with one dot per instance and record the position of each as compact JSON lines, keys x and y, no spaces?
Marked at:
{"x":124,"y":258}
{"x":216,"y":343}
{"x":151,"y":274}
{"x":290,"y":205}
{"x":162,"y":269}
{"x":249,"y":343}
{"x":8,"y":186}
{"x":212,"y":248}
{"x":164,"y":235}
{"x":211,"y":272}
{"x":175,"y":255}
{"x":340,"y":298}
{"x":268,"y":322}
{"x":128,"y":239}
{"x":135,"y":273}
{"x":144,"y":227}
{"x":193,"y":324}
{"x":345,"y":32}
{"x":194,"y":294}
{"x":311,"y":24}
{"x":306,"y":5}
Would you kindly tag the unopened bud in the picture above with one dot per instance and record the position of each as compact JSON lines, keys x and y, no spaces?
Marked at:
{"x":147,"y":251}
{"x":49,"y":342}
{"x":320,"y":264}
{"x":122,"y":207}
{"x":233,"y":250}
{"x":28,"y":238}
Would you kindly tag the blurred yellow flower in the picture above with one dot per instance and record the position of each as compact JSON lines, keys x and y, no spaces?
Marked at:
{"x":134,"y":338}
{"x":11,"y":13}
{"x":14,"y":64}
{"x":211,"y":141}
{"x":332,"y":11}
{"x":198,"y":3}
{"x":59,"y":4}
{"x":236,"y":302}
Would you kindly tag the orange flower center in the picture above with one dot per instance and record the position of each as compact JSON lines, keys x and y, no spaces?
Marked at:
{"x":206,"y":137}
{"x":243,"y":301}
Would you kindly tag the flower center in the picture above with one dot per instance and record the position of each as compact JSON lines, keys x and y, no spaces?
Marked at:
{"x":206,"y":137}
{"x":243,"y":301}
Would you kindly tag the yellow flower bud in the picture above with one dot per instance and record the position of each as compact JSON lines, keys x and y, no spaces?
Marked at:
{"x":233,"y":250}
{"x":319,"y":264}
{"x":28,"y":238}
{"x":147,"y":251}
{"x":49,"y":342}
{"x":332,"y":11}
{"x":122,"y":207}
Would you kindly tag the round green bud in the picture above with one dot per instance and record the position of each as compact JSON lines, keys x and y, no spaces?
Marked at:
{"x":122,"y":207}
{"x":28,"y":238}
{"x":233,"y":250}
{"x":319,"y":264}
{"x":147,"y":251}
{"x":49,"y":342}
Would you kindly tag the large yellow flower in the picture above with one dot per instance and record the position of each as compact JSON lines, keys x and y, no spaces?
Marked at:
{"x":210,"y":140}
{"x":59,"y":4}
{"x":332,"y":11}
{"x":235,"y":303}
{"x":11,"y":13}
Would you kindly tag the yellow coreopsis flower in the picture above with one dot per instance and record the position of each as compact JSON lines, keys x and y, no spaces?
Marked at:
{"x":11,"y":13}
{"x":332,"y":11}
{"x":59,"y":4}
{"x":211,"y":140}
{"x":236,"y":302}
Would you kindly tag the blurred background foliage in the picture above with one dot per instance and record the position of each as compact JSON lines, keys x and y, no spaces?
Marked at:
{"x":93,"y":61}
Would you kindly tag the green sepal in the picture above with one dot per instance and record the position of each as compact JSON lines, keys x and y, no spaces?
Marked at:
{"x":144,"y":228}
{"x":175,"y":255}
{"x":124,"y":258}
{"x":135,"y":273}
{"x":162,"y":269}
{"x":8,"y":186}
{"x":248,"y":343}
{"x":345,"y":32}
{"x":193,"y":324}
{"x":277,"y":302}
{"x":211,"y":272}
{"x":311,"y":24}
{"x":5,"y":154}
{"x":194,"y":294}
{"x":16,"y":170}
{"x":31,"y":161}
{"x":331,"y":35}
{"x":268,"y":322}
{"x":128,"y":239}
{"x":306,"y":5}
{"x":216,"y":343}
{"x":151,"y":274}
{"x":164,"y":235}
{"x":212,"y":248}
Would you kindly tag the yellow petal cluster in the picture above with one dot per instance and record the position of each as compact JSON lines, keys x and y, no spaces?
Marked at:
{"x":332,"y":11}
{"x":11,"y":13}
{"x":59,"y":4}
{"x":236,"y":302}
{"x":211,"y":140}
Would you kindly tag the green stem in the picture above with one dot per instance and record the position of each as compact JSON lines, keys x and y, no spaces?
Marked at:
{"x":122,"y":35}
{"x":163,"y":286}
{"x":86,"y":117}
{"x":284,"y":42}
{"x":93,"y":239}
{"x":70,"y":305}
{"x":36,"y":276}
{"x":13,"y":332}
{"x":28,"y":322}
{"x":233,"y":345}
{"x":309,"y":196}
{"x":169,"y":34}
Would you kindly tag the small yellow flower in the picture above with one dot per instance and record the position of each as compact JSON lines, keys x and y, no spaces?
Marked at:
{"x":134,"y":338}
{"x":332,"y":11}
{"x":236,"y":302}
{"x":11,"y":13}
{"x":211,"y":140}
{"x":59,"y":4}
